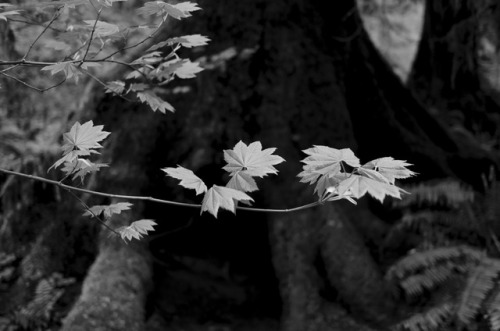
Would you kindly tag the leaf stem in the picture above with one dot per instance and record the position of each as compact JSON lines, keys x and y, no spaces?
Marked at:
{"x":144,"y":198}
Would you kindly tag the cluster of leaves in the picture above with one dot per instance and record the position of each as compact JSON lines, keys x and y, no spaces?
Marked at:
{"x":244,"y":163}
{"x":86,"y":46}
{"x":336,"y":173}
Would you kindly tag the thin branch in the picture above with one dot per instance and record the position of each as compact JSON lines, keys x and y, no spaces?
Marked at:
{"x":56,"y":15}
{"x":91,"y":34}
{"x":41,"y":90}
{"x":143,"y":198}
{"x":93,"y":214}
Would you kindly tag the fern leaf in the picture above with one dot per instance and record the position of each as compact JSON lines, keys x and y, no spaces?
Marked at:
{"x":479,"y":284}
{"x":494,"y":312}
{"x":420,"y":260}
{"x":415,"y":284}
{"x":430,"y":320}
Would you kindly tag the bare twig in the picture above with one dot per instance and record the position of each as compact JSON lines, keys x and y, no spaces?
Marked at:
{"x":56,"y":15}
{"x":91,"y":34}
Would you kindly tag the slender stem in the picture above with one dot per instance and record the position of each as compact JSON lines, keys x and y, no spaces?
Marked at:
{"x":93,"y":214}
{"x":56,"y":15}
{"x":91,"y":34}
{"x":144,"y":198}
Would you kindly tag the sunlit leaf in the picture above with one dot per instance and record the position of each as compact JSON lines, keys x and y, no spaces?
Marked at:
{"x":155,"y":102}
{"x":186,"y":41}
{"x":390,"y":168}
{"x":242,"y":181}
{"x":222,"y":197}
{"x":161,"y":8}
{"x":188,"y":69}
{"x":116,"y":86}
{"x":188,"y":179}
{"x":136,"y":230}
{"x":251,"y":159}
{"x":84,"y":137}
{"x":81,"y":167}
{"x":107,"y":210}
{"x":358,"y":186}
{"x":324,"y":160}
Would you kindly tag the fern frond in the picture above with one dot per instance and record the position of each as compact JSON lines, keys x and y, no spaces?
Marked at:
{"x":479,"y":284}
{"x":420,"y":260}
{"x":415,"y":284}
{"x":429,"y":320}
{"x":448,"y":193}
{"x":494,"y":312}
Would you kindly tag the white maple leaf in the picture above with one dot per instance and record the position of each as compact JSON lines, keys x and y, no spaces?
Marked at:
{"x":81,"y":168}
{"x":358,"y":185}
{"x":188,"y":69}
{"x":155,"y":102}
{"x":107,"y":210}
{"x":188,"y":179}
{"x":187,"y":41}
{"x":251,"y":159}
{"x":242,"y":181}
{"x":390,"y":168}
{"x":323,"y":160}
{"x":136,"y":230}
{"x":222,"y":197}
{"x":84,"y":137}
{"x":161,"y":8}
{"x":81,"y":140}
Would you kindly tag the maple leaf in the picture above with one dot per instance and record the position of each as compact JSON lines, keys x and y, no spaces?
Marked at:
{"x":324,"y":160}
{"x":116,"y":86}
{"x":187,"y":69}
{"x":136,"y":230}
{"x":242,"y":181}
{"x":84,"y":137}
{"x":251,"y":159}
{"x":81,"y":168}
{"x":390,"y":168}
{"x":222,"y":197}
{"x":188,"y":179}
{"x":69,"y":69}
{"x":69,"y":157}
{"x":149,"y":58}
{"x":107,"y":210}
{"x":186,"y":41}
{"x":358,"y":185}
{"x":155,"y":102}
{"x":160,"y":8}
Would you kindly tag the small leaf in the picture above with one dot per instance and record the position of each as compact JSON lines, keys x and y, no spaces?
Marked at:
{"x":160,"y":8}
{"x":84,"y":137}
{"x":81,"y":168}
{"x":102,"y":29}
{"x":188,"y":69}
{"x":69,"y":69}
{"x":108,"y":210}
{"x":324,"y":160}
{"x":186,"y":41}
{"x":390,"y":168}
{"x":136,"y":230}
{"x":222,"y":197}
{"x":251,"y":159}
{"x":242,"y":181}
{"x":116,"y":86}
{"x":188,"y":179}
{"x":155,"y":102}
{"x":360,"y":185}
